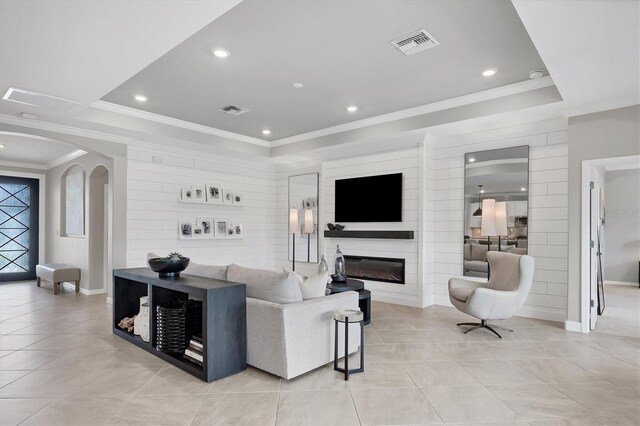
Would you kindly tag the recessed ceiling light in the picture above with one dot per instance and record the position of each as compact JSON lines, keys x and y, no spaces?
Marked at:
{"x":140,"y":98}
{"x":220,"y":53}
{"x":488,"y":73}
{"x":2,"y":146}
{"x":266,"y":132}
{"x":352,"y":108}
{"x":523,"y":189}
{"x":471,"y":160}
{"x":536,"y":74}
{"x":298,"y":85}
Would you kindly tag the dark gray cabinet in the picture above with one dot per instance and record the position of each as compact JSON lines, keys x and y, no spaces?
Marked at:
{"x":224,"y":317}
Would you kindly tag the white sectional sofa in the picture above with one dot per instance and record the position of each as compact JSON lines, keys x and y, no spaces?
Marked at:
{"x":286,"y":335}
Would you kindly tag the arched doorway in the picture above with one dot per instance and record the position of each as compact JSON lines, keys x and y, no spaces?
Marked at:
{"x":99,"y":231}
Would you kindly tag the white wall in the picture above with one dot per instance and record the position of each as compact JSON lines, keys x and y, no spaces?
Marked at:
{"x":153,"y":210}
{"x":622,"y":226}
{"x":548,"y":212}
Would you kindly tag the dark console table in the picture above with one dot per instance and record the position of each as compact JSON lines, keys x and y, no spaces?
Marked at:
{"x":224,"y":318}
{"x":364,"y":295}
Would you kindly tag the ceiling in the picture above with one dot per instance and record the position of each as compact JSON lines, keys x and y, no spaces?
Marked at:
{"x":340,"y":51}
{"x":23,"y":148}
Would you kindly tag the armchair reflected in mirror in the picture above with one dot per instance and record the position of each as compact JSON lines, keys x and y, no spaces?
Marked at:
{"x":303,"y":199}
{"x":496,"y":185}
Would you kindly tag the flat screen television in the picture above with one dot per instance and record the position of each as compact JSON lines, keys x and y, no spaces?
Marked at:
{"x":369,"y":199}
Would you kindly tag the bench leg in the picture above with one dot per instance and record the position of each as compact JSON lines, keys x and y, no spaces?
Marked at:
{"x":56,"y":287}
{"x":77,"y":286}
{"x":38,"y":281}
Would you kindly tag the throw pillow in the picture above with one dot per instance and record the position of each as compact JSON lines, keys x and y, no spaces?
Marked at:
{"x":207,"y":271}
{"x":276,"y":287}
{"x":314,"y":286}
{"x":479,"y":252}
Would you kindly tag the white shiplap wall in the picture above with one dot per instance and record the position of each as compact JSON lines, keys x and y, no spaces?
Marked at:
{"x":153,"y":210}
{"x":548,"y":210}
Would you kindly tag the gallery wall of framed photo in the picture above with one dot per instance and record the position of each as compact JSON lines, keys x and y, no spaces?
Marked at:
{"x":211,"y":193}
{"x":208,"y":228}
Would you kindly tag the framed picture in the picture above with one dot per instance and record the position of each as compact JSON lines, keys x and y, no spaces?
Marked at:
{"x":187,"y":193}
{"x":309,"y":203}
{"x":237,"y":198}
{"x":228,"y":197}
{"x":197,"y":232}
{"x":230,"y":230}
{"x":199,"y":194}
{"x":185,"y":229}
{"x":214,"y":193}
{"x":220,"y":228}
{"x":237,"y":231}
{"x":206,"y":223}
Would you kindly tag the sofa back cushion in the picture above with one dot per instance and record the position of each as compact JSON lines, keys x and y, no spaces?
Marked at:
{"x":479,"y":251}
{"x":467,"y":251}
{"x":276,"y":287}
{"x":207,"y":271}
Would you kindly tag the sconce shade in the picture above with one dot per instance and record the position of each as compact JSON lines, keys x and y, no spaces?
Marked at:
{"x":293,"y":221}
{"x":488,"y":228}
{"x":308,"y":221}
{"x":501,"y":218}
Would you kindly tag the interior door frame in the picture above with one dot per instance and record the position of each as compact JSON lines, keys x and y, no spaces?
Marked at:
{"x":41,"y":206}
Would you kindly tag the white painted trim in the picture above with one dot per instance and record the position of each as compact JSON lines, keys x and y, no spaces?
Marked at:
{"x":162,"y":119}
{"x":625,"y":283}
{"x":23,"y":165}
{"x":573,"y":326}
{"x":485,"y":95}
{"x":65,"y":158}
{"x":83,"y":290}
{"x":395,"y":298}
{"x":585,"y":273}
{"x":109,"y":301}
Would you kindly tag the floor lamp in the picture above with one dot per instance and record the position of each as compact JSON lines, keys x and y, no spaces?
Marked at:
{"x":308,"y":229}
{"x":501,"y":221}
{"x":293,"y":227}
{"x":488,"y":227}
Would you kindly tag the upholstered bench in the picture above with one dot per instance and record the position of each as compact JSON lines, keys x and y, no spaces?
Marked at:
{"x":58,"y":273}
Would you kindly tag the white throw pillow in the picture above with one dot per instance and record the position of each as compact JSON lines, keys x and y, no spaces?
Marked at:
{"x":314,"y":286}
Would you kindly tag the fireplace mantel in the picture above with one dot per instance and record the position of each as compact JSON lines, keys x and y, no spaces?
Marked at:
{"x":387,"y":235}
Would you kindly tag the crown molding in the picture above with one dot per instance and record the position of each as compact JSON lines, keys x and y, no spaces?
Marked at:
{"x":23,"y":165}
{"x":485,"y":95}
{"x":71,"y":156}
{"x":174,"y":122}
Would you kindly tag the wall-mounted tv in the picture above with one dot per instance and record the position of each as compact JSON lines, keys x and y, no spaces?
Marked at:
{"x":369,"y":199}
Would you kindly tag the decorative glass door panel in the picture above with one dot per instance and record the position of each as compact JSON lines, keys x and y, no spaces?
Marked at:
{"x":18,"y":228}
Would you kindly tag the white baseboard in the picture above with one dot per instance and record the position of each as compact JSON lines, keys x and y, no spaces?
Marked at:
{"x":109,"y":301}
{"x":573,"y":326}
{"x":627,"y":283}
{"x":88,"y":292}
{"x":442,"y":300}
{"x":395,"y":298}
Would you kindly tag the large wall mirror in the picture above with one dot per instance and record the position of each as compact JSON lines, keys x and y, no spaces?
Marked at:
{"x":496,"y":203}
{"x":303,"y":206}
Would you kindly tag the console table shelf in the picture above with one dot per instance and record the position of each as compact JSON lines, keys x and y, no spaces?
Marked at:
{"x":224,"y":325}
{"x":387,"y":235}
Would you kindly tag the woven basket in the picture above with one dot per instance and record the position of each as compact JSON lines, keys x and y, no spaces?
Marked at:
{"x":170,"y":329}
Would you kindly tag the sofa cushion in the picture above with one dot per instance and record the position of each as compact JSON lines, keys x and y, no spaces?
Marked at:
{"x":276,"y":287}
{"x":476,"y":265}
{"x":478,"y":251}
{"x":314,"y":286}
{"x":207,"y":271}
{"x":467,"y":252}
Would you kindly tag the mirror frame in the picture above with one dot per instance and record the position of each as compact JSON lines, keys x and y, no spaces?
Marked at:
{"x":317,"y":219}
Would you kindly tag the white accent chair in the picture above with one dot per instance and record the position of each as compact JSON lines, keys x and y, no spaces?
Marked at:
{"x":501,"y":297}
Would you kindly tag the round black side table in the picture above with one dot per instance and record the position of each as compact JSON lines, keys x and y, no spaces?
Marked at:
{"x":347,"y":317}
{"x":364,"y":296}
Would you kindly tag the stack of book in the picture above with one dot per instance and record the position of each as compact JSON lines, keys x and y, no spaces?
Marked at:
{"x":194,"y":352}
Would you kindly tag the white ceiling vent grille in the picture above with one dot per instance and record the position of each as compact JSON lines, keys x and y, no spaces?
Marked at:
{"x":28,"y":97}
{"x":234,"y":110}
{"x":415,"y":42}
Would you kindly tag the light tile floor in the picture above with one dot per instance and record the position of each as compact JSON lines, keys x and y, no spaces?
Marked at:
{"x":60,"y":364}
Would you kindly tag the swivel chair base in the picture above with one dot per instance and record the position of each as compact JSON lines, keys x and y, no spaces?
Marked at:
{"x":481,"y":324}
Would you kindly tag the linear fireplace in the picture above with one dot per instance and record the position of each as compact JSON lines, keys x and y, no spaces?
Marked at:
{"x":384,"y":269}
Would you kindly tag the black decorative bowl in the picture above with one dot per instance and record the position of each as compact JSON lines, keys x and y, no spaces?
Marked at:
{"x":339,"y":227}
{"x":168,"y":268}
{"x":331,"y":226}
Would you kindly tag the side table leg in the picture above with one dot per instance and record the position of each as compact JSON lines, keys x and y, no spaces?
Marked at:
{"x":362,"y":345}
{"x":346,"y":348}
{"x":335,"y":346}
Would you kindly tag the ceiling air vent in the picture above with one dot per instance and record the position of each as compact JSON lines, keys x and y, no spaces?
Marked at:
{"x":415,"y":42}
{"x":234,"y":110}
{"x":28,"y":97}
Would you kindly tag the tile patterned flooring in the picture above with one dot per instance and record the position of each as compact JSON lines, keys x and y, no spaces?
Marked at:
{"x":60,"y":364}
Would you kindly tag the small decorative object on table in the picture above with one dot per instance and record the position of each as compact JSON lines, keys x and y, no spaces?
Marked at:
{"x":141,"y":321}
{"x":339,"y":227}
{"x":331,"y":226}
{"x":341,"y":273}
{"x":169,"y":266}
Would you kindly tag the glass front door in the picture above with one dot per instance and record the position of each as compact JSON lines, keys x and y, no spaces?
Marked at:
{"x":18,"y":228}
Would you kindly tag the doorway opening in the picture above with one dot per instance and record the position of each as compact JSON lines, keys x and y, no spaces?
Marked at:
{"x":610,"y":277}
{"x":100,"y":230}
